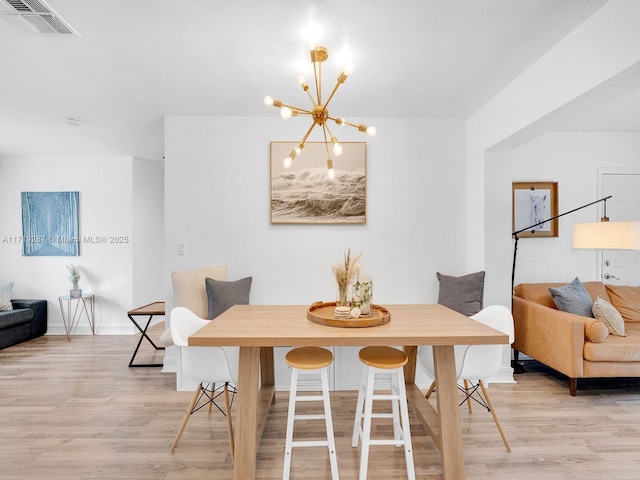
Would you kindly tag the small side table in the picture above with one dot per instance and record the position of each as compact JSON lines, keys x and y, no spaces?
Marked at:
{"x":155,"y":308}
{"x":76,"y":307}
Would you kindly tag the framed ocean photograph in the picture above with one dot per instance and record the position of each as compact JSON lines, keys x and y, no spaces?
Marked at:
{"x":50,"y":224}
{"x":305,"y":194}
{"x":534,"y":202}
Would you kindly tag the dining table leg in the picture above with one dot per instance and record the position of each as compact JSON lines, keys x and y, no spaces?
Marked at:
{"x":246,"y":445}
{"x":451,"y":450}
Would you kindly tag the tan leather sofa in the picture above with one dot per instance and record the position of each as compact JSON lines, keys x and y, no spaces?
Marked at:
{"x":577,"y":346}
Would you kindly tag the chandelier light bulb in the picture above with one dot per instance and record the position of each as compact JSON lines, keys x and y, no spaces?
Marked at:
{"x":337,"y":148}
{"x":348,"y":69}
{"x":286,"y":163}
{"x":268,"y":101}
{"x":331,"y":173}
{"x":303,"y":84}
{"x":371,"y":131}
{"x":285,"y":112}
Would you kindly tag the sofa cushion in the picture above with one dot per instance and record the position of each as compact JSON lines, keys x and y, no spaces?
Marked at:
{"x":626,"y":300}
{"x":5,"y":296}
{"x":573,"y":298}
{"x":463,"y":294}
{"x":539,"y":292}
{"x":616,"y":348}
{"x":606,"y":313}
{"x":13,"y":318}
{"x":223,"y":295}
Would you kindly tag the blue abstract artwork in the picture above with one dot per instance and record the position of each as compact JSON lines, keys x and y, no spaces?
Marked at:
{"x":50,"y":224}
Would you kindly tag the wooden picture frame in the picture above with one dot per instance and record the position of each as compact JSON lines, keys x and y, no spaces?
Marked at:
{"x":533,"y":202}
{"x":304,"y":193}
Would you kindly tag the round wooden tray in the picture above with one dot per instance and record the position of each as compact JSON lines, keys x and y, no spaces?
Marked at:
{"x":322,"y":314}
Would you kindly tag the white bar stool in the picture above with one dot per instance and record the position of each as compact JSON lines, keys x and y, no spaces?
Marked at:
{"x":388,"y":361}
{"x":309,"y":361}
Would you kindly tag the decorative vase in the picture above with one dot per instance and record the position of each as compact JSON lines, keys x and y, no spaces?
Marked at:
{"x":363,"y":294}
{"x":342,"y":297}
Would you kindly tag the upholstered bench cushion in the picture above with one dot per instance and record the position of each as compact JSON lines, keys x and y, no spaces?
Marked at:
{"x":13,"y":318}
{"x":616,"y":348}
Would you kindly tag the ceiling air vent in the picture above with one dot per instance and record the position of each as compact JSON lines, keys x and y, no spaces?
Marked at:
{"x":34,"y":17}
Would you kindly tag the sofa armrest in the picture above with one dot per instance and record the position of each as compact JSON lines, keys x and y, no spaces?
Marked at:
{"x":39,"y":307}
{"x":550,"y":336}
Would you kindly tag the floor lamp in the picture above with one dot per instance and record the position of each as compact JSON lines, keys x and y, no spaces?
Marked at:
{"x":602,"y":235}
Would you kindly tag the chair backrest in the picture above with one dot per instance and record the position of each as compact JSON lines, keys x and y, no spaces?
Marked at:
{"x":476,"y":361}
{"x":202,"y":364}
{"x":189,"y":288}
{"x":497,"y":317}
{"x":483,"y":361}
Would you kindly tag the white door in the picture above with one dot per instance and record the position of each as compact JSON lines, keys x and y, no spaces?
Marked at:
{"x":621,"y":267}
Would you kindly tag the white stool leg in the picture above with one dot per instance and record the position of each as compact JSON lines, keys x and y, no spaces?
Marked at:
{"x":357,"y":422}
{"x":290,"y":417}
{"x":406,"y":430}
{"x":366,"y":431}
{"x":395,"y":405}
{"x":329,"y":422}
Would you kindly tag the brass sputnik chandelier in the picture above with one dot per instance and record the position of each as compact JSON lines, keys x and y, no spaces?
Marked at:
{"x":319,"y":113}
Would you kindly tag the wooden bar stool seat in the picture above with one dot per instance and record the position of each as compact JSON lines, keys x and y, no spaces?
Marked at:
{"x":309,"y":361}
{"x":388,"y":361}
{"x":309,"y":358}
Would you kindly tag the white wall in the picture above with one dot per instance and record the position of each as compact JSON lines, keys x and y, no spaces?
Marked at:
{"x":106,"y":198}
{"x":148,"y":232}
{"x":572,"y":159}
{"x":593,"y":64}
{"x":217,"y":202}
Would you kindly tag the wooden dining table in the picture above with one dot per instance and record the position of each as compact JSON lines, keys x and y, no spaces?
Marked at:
{"x":257,"y":329}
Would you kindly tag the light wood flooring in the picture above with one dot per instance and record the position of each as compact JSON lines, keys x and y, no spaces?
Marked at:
{"x":74,"y":410}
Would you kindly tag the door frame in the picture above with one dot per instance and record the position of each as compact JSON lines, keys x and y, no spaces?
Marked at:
{"x":602,"y":171}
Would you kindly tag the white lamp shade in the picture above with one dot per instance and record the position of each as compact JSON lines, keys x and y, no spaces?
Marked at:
{"x":607,"y":236}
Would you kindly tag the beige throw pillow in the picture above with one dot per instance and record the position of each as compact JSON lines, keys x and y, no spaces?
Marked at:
{"x":606,"y":313}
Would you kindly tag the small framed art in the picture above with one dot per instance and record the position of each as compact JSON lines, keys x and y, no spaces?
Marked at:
{"x":532,"y":204}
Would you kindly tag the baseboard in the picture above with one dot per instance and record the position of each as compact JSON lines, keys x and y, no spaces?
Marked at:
{"x":84,"y":328}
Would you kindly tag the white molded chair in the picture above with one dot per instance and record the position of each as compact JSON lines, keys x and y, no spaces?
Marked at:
{"x":474,"y":363}
{"x":206,"y":365}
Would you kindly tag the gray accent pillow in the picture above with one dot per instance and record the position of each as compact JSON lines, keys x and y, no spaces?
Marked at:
{"x":573,"y":298}
{"x":223,"y":295}
{"x":463,"y":294}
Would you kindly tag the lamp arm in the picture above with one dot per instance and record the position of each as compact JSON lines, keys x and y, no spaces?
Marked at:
{"x":561,"y":215}
{"x":515,"y":236}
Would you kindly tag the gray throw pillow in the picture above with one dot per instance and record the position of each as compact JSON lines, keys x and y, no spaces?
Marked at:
{"x":463,"y":294}
{"x":573,"y":298}
{"x":5,"y":296}
{"x":223,"y":295}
